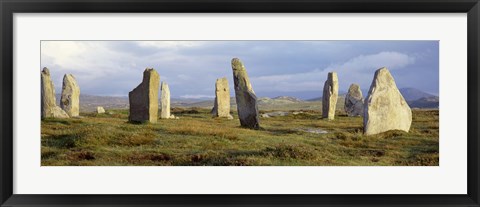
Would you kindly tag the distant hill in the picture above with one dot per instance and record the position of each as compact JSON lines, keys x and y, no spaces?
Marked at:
{"x":415,"y":98}
{"x":90,"y":102}
{"x":262,"y":101}
{"x":425,"y":102}
{"x":201,"y":104}
{"x":288,"y":98}
{"x":412,"y":94}
{"x":315,"y":99}
{"x":279,"y":100}
{"x":342,"y":95}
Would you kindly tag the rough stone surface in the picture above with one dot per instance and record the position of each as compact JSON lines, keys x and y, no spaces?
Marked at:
{"x":100,"y":110}
{"x":245,"y":96}
{"x":221,"y":106}
{"x":354,"y":101}
{"x":49,"y":107}
{"x":330,"y":95}
{"x":144,"y":98}
{"x":385,"y":108}
{"x":166,"y":102}
{"x":70,"y":99}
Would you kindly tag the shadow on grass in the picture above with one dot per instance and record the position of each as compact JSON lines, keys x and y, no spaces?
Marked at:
{"x":289,"y":151}
{"x":281,"y":131}
{"x":137,"y":122}
{"x":64,"y":141}
{"x":56,"y":121}
{"x":229,"y":158}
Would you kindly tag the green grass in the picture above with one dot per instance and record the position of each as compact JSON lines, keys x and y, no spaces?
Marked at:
{"x":197,"y":139}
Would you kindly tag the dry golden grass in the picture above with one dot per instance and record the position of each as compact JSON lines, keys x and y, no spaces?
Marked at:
{"x":202,"y":129}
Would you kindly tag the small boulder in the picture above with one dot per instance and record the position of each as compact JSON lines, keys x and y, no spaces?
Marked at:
{"x":100,"y":110}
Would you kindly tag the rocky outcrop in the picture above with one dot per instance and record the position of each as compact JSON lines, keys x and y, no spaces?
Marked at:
{"x":144,"y":98}
{"x":221,"y":106}
{"x":330,"y":95}
{"x":70,"y":99}
{"x":354,"y":101}
{"x":245,"y":96}
{"x":49,"y":107}
{"x":385,"y":107}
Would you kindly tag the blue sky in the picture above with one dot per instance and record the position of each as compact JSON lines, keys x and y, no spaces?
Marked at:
{"x":276,"y":68}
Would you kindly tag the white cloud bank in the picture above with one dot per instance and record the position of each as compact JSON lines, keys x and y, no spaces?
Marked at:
{"x":359,"y":70}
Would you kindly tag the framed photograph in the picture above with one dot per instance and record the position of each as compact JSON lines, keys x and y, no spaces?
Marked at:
{"x":239,"y":103}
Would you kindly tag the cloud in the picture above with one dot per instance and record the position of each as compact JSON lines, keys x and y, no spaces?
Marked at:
{"x":184,"y":77}
{"x":393,"y":60}
{"x":359,"y":69}
{"x":170,"y":44}
{"x":275,"y":67}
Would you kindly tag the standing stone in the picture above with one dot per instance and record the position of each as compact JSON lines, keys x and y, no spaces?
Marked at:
{"x":221,"y":107}
{"x":49,"y":107}
{"x":354,"y":101}
{"x":70,"y":99}
{"x":330,"y":95}
{"x":385,"y":108}
{"x":166,"y":102}
{"x":144,"y":98}
{"x":100,"y":110}
{"x":245,"y":96}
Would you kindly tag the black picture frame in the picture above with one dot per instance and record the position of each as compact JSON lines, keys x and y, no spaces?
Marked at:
{"x":9,"y":7}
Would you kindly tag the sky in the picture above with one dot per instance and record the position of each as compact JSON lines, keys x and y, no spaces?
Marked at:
{"x":275,"y":68}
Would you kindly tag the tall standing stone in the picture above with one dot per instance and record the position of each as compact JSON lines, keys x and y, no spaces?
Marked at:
{"x":144,"y":98}
{"x":49,"y":106}
{"x":70,"y":99}
{"x":385,"y":108}
{"x":245,"y":96}
{"x":221,"y":106}
{"x":354,"y":101}
{"x":165,"y":102}
{"x":330,"y":95}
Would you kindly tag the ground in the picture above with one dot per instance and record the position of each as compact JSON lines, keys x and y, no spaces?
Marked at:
{"x":197,"y":139}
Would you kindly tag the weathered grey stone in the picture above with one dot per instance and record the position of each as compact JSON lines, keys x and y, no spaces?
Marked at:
{"x":49,"y":107}
{"x":330,"y":95}
{"x":221,"y":106}
{"x":385,"y":108}
{"x":144,"y":98}
{"x":354,"y":101}
{"x":245,"y":96}
{"x":70,"y":99}
{"x":100,"y":110}
{"x":166,"y":102}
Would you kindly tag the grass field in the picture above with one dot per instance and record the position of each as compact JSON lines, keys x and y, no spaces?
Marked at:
{"x":197,"y":139}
